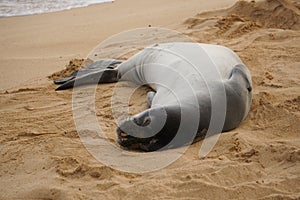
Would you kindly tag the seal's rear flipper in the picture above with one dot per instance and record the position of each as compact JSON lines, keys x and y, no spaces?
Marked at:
{"x":96,"y":66}
{"x":103,"y":76}
{"x":105,"y":64}
{"x":63,"y":80}
{"x":66,"y":79}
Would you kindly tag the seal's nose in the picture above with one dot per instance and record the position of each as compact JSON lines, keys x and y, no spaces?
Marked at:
{"x":142,"y":121}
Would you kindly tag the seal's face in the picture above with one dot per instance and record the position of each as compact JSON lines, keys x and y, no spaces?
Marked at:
{"x":148,"y":131}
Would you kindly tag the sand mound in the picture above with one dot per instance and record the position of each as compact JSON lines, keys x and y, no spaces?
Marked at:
{"x":282,"y":14}
{"x":73,"y":65}
{"x":245,"y":17}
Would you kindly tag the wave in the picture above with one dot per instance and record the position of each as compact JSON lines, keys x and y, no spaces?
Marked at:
{"x":10,"y":8}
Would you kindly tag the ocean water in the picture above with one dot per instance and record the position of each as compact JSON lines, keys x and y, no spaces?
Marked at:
{"x":27,"y":7}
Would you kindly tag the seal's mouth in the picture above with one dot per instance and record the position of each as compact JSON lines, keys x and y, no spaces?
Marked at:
{"x":134,"y":143}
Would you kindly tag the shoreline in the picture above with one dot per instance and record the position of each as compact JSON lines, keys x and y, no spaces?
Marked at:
{"x":56,"y":11}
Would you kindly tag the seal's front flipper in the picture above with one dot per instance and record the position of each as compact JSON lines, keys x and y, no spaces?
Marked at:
{"x":103,"y":76}
{"x":150,"y":96}
{"x":238,"y":90}
{"x":241,"y":75}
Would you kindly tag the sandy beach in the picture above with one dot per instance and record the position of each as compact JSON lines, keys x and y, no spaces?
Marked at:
{"x":43,"y":156}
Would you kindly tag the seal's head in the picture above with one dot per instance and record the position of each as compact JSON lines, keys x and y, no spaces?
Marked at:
{"x":150,"y":130}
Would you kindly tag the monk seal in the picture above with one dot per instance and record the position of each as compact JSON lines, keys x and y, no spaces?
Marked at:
{"x":196,"y":87}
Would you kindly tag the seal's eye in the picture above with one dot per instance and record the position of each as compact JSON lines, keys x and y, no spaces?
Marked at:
{"x":249,"y":89}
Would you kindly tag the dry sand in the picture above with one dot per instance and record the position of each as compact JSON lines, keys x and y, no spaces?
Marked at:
{"x":42,"y":156}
